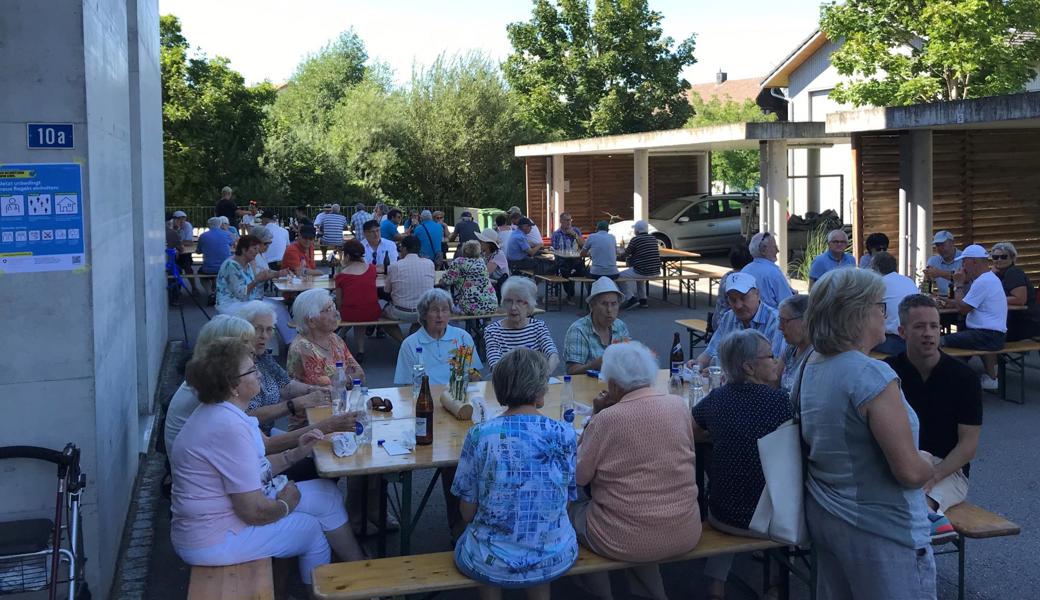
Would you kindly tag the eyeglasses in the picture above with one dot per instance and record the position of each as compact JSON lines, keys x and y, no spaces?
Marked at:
{"x":249,"y":372}
{"x":884,"y":308}
{"x":837,"y":242}
{"x":1000,"y":256}
{"x":769,"y":356}
{"x":786,"y":320}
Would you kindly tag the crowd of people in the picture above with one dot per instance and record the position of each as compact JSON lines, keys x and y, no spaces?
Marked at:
{"x":888,"y":443}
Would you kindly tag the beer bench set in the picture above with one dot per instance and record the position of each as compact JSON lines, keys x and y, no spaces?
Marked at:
{"x":554,"y":286}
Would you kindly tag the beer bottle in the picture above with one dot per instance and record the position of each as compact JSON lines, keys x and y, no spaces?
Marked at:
{"x":424,"y":414}
{"x":677,"y":353}
{"x":950,"y":290}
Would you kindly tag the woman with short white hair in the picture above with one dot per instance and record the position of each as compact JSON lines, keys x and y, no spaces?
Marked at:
{"x":733,"y":418}
{"x":864,"y":505}
{"x":436,"y":338}
{"x":637,"y":455}
{"x":314,"y":353}
{"x":518,"y":329}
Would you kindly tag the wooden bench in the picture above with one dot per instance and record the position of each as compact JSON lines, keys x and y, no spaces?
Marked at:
{"x":401,"y":575}
{"x":553,"y":287}
{"x":253,"y":580}
{"x":697,"y":330}
{"x":972,"y":522}
{"x":1013,"y":352}
{"x":687,"y":285}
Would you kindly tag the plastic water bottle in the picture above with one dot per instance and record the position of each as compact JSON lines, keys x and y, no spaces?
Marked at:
{"x":714,"y":373}
{"x":339,"y":390}
{"x":567,"y":403}
{"x":695,"y":393}
{"x":675,"y":383}
{"x":359,"y":405}
{"x":418,"y":370}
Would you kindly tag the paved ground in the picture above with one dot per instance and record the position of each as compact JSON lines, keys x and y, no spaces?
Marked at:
{"x":1004,"y":480}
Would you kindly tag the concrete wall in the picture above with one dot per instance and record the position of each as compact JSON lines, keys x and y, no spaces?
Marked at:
{"x":70,"y":370}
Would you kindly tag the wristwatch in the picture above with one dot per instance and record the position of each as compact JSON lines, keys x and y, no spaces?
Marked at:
{"x":291,"y":406}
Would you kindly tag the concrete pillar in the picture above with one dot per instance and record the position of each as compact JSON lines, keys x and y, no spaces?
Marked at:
{"x":558,"y":194}
{"x":776,"y":192}
{"x":812,"y":182}
{"x":75,"y":373}
{"x":915,"y":201}
{"x":704,"y":173}
{"x":640,"y":184}
{"x":763,"y":173}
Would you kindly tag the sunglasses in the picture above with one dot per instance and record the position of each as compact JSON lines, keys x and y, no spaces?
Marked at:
{"x":1000,"y":256}
{"x":380,"y":404}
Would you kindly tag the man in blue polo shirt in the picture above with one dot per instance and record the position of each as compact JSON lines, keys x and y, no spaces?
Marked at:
{"x":835,"y":257}
{"x":944,"y":264}
{"x":519,"y":250}
{"x":772,"y":285}
{"x":429,"y":233}
{"x":388,"y":228}
{"x":747,"y":311}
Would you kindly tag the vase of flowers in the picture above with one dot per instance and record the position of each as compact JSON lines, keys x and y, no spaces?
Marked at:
{"x":460,"y":362}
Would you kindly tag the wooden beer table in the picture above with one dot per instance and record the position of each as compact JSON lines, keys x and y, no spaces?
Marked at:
{"x":449,"y":434}
{"x":324,"y":282}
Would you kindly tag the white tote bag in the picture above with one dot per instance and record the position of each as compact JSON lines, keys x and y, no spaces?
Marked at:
{"x":780,"y":513}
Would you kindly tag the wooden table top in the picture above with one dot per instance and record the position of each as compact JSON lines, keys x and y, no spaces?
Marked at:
{"x":679,"y":254}
{"x":324,"y":282}
{"x":448,"y":432}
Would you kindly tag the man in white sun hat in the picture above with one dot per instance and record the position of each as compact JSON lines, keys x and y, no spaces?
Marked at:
{"x":746,"y":311}
{"x":985,"y":307}
{"x":590,"y":335}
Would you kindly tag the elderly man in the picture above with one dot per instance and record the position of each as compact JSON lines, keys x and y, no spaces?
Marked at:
{"x":185,"y":234}
{"x":226,"y":207}
{"x":331,"y":229}
{"x":515,"y":216}
{"x":945,"y":262}
{"x":279,"y":240}
{"x":589,"y":336}
{"x":602,"y":248}
{"x":406,"y":282}
{"x":379,"y":212}
{"x":746,"y":311}
{"x":644,"y":259}
{"x":946,"y":396}
{"x":429,"y":233}
{"x":835,"y":257}
{"x":358,"y":219}
{"x":772,"y":284}
{"x":897,"y":287}
{"x":519,"y":249}
{"x":299,"y":255}
{"x":985,"y":306}
{"x":388,"y":228}
{"x":465,"y":230}
{"x":566,"y":245}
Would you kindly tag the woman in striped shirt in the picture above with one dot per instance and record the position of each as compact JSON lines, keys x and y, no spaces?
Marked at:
{"x":518,"y":329}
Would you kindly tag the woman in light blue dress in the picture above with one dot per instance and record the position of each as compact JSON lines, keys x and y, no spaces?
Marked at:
{"x":514,"y":479}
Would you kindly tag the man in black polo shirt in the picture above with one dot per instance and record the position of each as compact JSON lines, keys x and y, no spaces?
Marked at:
{"x":947,"y":397}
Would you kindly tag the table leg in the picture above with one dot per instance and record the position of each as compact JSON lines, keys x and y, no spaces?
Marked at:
{"x":381,"y":544}
{"x":405,"y":518}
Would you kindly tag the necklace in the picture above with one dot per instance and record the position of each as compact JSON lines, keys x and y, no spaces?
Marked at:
{"x":315,"y":342}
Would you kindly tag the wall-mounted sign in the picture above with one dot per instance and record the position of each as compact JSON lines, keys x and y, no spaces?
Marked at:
{"x":49,"y":135}
{"x":41,"y":217}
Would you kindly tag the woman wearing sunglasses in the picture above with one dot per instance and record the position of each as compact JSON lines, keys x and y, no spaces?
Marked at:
{"x":1021,"y":324}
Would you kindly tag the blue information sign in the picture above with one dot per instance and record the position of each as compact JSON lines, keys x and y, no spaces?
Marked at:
{"x":41,"y":217}
{"x":49,"y":135}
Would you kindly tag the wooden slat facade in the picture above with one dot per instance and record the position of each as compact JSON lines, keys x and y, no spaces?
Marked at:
{"x":984,"y":188}
{"x":601,"y":185}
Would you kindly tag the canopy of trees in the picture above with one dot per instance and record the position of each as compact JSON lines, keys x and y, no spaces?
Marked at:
{"x":736,"y":169}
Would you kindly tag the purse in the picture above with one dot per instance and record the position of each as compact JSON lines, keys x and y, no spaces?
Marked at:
{"x":780,"y":513}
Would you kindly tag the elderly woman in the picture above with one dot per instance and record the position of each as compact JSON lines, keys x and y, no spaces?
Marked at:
{"x":436,"y":338}
{"x":498,"y":265}
{"x":356,"y":293}
{"x":468,"y":276}
{"x":735,"y":416}
{"x":796,"y":336}
{"x":1021,"y":324}
{"x":637,"y":455}
{"x":517,"y":460}
{"x":229,"y":506}
{"x":589,"y":336}
{"x":518,"y":329}
{"x":314,"y":353}
{"x":238,"y":280}
{"x":264,"y":235}
{"x":864,"y":505}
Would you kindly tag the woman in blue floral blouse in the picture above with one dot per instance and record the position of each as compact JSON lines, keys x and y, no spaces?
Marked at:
{"x":467,"y":275}
{"x":238,"y":280}
{"x":514,"y":479}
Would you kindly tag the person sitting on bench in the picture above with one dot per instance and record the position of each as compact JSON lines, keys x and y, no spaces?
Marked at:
{"x":520,"y":250}
{"x":746,"y":311}
{"x":985,"y":306}
{"x":644,"y":258}
{"x":945,"y":394}
{"x":602,"y":249}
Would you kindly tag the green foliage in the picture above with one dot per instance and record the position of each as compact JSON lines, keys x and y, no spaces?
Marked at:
{"x":737,"y":169}
{"x":578,"y":72}
{"x":212,"y":123}
{"x":910,"y":51}
{"x":815,"y":245}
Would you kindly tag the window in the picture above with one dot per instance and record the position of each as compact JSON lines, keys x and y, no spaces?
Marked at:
{"x":703,"y":210}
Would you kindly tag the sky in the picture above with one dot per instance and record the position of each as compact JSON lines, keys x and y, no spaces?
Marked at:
{"x":266,"y":39}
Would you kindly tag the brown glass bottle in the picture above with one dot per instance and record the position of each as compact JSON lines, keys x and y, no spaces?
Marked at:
{"x":424,"y":414}
{"x":677,"y":361}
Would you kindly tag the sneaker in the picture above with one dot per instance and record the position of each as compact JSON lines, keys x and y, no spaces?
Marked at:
{"x":630,"y":303}
{"x":989,"y":383}
{"x":941,"y":525}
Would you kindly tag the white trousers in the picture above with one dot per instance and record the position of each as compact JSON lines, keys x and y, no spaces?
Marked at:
{"x":300,"y":534}
{"x":634,"y":288}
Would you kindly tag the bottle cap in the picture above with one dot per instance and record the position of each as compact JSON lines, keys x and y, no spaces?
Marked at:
{"x":566,"y":378}
{"x":339,"y":363}
{"x":675,"y":370}
{"x":418,"y":350}
{"x":357,"y":382}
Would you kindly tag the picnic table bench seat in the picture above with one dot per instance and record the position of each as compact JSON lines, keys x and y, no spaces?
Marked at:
{"x":697,"y":330}
{"x":423,"y":573}
{"x":252,"y":580}
{"x":973,"y":522}
{"x":687,"y":285}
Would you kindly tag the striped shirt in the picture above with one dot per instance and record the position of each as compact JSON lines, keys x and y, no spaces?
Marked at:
{"x":644,"y":254}
{"x":332,"y":229}
{"x":500,"y":340}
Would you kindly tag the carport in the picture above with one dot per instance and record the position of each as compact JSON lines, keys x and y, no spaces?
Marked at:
{"x":971,"y":167}
{"x":628,"y":175}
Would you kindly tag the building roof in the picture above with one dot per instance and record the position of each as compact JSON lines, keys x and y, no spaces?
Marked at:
{"x":738,"y":90}
{"x":1019,"y":111}
{"x":781,"y":75}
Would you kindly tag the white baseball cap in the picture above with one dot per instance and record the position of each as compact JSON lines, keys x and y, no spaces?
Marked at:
{"x":740,"y":282}
{"x":974,"y":251}
{"x":942,"y":236}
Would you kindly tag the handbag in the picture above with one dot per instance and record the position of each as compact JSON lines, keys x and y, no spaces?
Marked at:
{"x":780,"y":513}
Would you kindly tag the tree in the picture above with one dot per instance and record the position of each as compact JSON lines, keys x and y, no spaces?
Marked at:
{"x":910,"y":51}
{"x":578,"y":73}
{"x":212,"y":123}
{"x":737,"y":169}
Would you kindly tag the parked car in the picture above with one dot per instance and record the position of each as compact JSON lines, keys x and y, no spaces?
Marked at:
{"x":703,"y":222}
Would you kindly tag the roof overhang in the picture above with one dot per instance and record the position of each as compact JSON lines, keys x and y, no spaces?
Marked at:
{"x":1018,"y":111}
{"x":735,"y":136}
{"x":781,"y":75}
